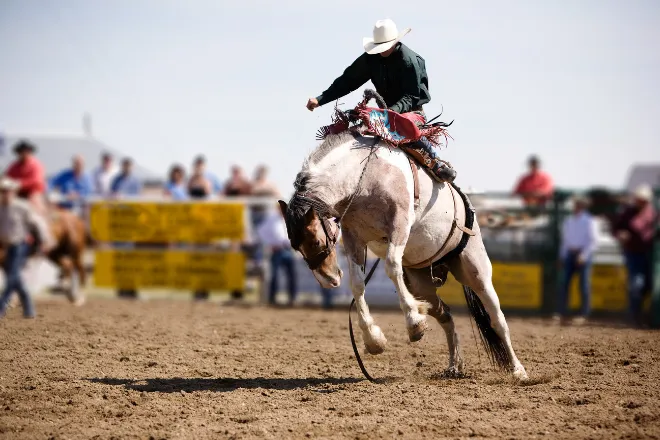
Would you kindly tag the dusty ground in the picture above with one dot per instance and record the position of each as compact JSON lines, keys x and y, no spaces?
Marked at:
{"x":174,"y":369}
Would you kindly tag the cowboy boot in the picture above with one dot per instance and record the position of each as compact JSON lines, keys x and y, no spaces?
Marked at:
{"x":424,"y":153}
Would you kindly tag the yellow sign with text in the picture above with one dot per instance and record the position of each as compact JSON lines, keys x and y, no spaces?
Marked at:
{"x":518,"y":286}
{"x":608,"y":288}
{"x":177,"y":269}
{"x":148,"y":222}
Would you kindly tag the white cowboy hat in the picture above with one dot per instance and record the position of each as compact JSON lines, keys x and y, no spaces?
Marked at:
{"x":385,"y":37}
{"x":7,"y":184}
{"x":643,"y":192}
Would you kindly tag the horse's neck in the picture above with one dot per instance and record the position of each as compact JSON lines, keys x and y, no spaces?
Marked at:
{"x":336,"y":176}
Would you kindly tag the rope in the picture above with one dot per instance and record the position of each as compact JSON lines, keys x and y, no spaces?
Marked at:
{"x":350,"y":327}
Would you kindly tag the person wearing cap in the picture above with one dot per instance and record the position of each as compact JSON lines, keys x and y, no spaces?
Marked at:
{"x":28,"y":171}
{"x":16,"y":218}
{"x":399,"y":75}
{"x":536,"y":187}
{"x":578,"y":243}
{"x":635,"y":230}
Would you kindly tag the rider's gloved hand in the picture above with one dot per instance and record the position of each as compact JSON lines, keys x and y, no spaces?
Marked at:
{"x":312,"y":103}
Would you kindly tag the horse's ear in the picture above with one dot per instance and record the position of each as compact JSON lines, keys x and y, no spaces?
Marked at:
{"x":310,"y":215}
{"x":283,"y":207}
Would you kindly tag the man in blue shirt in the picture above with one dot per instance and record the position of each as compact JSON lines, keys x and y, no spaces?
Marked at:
{"x":125,"y":183}
{"x":74,"y":184}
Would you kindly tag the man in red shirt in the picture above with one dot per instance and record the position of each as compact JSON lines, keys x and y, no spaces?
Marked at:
{"x":536,"y":187}
{"x":29,"y":173}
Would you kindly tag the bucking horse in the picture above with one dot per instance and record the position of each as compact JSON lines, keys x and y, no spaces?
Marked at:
{"x":421,"y":228}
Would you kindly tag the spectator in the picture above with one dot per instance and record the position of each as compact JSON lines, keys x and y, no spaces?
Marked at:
{"x":29,"y":173}
{"x":635,"y":230}
{"x":272,"y":233}
{"x":578,"y":242}
{"x":125,"y":183}
{"x":16,"y":219}
{"x":237,"y":185}
{"x":262,"y":186}
{"x":200,"y":186}
{"x":536,"y":187}
{"x":74,"y":184}
{"x":103,"y":176}
{"x":175,"y":188}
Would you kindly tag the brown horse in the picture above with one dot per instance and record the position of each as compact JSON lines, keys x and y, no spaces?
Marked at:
{"x":69,"y":235}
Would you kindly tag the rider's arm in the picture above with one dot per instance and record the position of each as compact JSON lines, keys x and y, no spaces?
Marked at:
{"x":353,"y":77}
{"x":411,"y":76}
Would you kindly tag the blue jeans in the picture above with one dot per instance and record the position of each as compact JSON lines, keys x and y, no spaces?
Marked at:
{"x":282,"y":258}
{"x":15,"y":259}
{"x":327,"y":298}
{"x":571,"y":266}
{"x":639,"y":280}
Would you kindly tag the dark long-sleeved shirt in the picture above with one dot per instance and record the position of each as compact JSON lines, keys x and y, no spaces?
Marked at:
{"x":399,"y":78}
{"x":640,"y":224}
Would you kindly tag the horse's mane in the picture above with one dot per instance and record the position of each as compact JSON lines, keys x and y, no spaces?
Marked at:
{"x":305,"y":186}
{"x":329,"y":143}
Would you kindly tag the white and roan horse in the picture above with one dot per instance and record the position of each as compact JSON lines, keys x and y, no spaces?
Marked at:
{"x":378,"y":212}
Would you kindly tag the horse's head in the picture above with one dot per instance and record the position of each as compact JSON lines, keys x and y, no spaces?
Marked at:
{"x":314,"y":236}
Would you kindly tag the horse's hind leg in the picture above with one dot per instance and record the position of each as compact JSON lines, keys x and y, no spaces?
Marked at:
{"x":422,"y":287}
{"x":374,"y":339}
{"x":473,"y":269}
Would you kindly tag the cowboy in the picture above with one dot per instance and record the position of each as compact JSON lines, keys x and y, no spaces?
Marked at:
{"x":635,"y":230}
{"x":16,"y":219}
{"x":30,"y":175}
{"x":399,"y":75}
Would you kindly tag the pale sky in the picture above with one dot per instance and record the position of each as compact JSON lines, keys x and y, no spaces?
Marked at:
{"x":576,"y":82}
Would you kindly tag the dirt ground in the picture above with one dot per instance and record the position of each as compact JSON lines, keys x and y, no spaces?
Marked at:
{"x":177,"y":369}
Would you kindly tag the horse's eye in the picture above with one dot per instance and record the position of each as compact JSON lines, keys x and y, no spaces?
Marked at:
{"x":317,"y":243}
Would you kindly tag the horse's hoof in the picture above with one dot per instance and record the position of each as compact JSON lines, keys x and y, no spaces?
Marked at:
{"x":78,"y":302}
{"x":453,"y":373}
{"x":416,"y":332}
{"x":374,"y":349}
{"x":375,"y":341}
{"x":520,"y":374}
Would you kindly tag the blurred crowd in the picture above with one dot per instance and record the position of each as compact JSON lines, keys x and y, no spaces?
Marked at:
{"x":634,"y":226}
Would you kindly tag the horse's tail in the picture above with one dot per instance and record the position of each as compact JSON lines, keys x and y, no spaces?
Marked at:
{"x":494,"y":345}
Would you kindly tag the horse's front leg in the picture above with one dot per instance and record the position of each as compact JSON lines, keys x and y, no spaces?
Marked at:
{"x":374,"y":339}
{"x":413,"y":310}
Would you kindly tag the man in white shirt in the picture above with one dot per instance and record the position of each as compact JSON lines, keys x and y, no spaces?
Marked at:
{"x":272,"y":234}
{"x":578,"y":243}
{"x":103,"y":176}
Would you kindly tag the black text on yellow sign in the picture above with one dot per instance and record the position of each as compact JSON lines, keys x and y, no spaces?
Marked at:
{"x":518,"y":286}
{"x":166,"y":222}
{"x":176,"y":269}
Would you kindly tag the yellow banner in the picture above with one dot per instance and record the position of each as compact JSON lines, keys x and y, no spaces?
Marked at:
{"x":608,"y":288}
{"x":177,"y":269}
{"x":518,"y":285}
{"x":145,"y":222}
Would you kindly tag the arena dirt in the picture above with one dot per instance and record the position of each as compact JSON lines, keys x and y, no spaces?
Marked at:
{"x":174,"y":369}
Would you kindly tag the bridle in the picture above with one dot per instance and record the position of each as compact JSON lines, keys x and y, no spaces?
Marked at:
{"x":330,"y":242}
{"x":331,"y":237}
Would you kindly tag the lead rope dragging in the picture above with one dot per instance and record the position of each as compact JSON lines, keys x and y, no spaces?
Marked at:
{"x":350,"y":326}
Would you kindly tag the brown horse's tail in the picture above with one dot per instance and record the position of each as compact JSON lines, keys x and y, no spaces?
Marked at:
{"x":494,"y":345}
